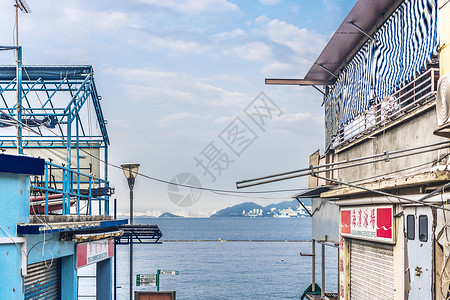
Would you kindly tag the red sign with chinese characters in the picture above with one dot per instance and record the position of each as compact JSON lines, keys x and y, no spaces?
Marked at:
{"x":368,"y":222}
{"x":94,"y":251}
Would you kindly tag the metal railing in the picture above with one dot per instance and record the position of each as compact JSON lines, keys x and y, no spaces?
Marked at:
{"x":405,"y":100}
{"x":61,"y":188}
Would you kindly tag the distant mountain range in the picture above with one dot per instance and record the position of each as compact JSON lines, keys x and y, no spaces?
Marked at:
{"x":168,"y":215}
{"x":250,"y":209}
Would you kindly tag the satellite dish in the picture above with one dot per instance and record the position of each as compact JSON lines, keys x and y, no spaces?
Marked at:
{"x":443,"y":100}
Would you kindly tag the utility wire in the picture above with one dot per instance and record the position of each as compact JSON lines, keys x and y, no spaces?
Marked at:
{"x":385,"y":156}
{"x":420,"y":201}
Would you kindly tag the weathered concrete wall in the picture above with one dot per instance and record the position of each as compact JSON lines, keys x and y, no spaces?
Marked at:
{"x":325,"y":220}
{"x":418,"y":131}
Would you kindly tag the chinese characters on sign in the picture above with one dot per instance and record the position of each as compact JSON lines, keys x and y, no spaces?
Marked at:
{"x":94,"y":251}
{"x":215,"y":159}
{"x":373,"y":222}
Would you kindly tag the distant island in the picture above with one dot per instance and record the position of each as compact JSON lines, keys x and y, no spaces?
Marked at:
{"x":168,"y":215}
{"x":286,"y":209}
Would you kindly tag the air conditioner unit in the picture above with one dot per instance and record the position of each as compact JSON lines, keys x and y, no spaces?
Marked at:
{"x":443,"y":101}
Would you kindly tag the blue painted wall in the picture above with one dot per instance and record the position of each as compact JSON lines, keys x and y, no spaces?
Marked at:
{"x":14,"y":202}
{"x":14,"y":208}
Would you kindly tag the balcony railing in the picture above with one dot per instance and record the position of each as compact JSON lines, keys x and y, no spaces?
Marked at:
{"x":410,"y":97}
{"x":66,"y":191}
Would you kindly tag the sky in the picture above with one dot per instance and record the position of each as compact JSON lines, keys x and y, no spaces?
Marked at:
{"x":182,"y":86}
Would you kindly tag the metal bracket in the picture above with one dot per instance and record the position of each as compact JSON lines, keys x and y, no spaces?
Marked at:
{"x":311,"y":168}
{"x":362,"y":31}
{"x":387,"y":156}
{"x":328,"y":71}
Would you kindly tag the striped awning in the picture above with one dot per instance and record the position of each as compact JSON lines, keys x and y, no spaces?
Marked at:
{"x":399,"y":51}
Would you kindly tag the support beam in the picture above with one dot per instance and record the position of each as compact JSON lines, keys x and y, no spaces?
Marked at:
{"x":328,"y":71}
{"x":362,"y":31}
{"x":302,"y":82}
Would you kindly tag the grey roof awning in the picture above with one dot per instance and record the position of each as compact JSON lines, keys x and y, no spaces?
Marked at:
{"x":368,"y":16}
{"x":312,"y":193}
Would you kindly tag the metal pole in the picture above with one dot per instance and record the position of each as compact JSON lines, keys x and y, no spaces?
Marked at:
{"x":115,"y":254}
{"x":131,"y":245}
{"x":323,"y":271}
{"x":131,"y":268}
{"x":313,"y":283}
{"x":131,"y":207}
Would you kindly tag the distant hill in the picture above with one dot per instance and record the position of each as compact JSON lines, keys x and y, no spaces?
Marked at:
{"x":283,"y":205}
{"x":236,"y":211}
{"x":168,"y":215}
{"x":250,"y":209}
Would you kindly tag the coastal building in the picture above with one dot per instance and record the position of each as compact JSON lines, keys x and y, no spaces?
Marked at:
{"x":380,"y":190}
{"x":54,"y":192}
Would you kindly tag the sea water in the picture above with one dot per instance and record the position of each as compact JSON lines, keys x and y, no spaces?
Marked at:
{"x":231,"y":258}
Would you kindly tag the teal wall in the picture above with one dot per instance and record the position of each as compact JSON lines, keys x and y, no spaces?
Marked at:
{"x":14,"y":208}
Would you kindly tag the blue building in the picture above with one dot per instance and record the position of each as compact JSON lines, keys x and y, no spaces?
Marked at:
{"x":40,"y":255}
{"x":54,"y":191}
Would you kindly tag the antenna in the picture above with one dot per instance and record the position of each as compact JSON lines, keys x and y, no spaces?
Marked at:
{"x":23,"y":6}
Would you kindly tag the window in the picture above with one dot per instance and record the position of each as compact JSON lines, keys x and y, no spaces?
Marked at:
{"x":410,"y":227}
{"x":423,"y":228}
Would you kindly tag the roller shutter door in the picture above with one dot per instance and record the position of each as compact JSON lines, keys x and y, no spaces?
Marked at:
{"x":42,"y":282}
{"x":371,"y":271}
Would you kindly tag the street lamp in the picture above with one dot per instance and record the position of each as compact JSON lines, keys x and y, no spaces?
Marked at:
{"x":130,"y":170}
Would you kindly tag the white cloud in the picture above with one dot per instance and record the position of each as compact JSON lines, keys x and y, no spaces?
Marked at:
{"x":301,"y":40}
{"x":270,"y":2}
{"x":279,"y":68}
{"x":256,"y":51}
{"x":223,"y":36}
{"x":177,"y":117}
{"x":194,"y":6}
{"x":153,"y":42}
{"x":176,"y":87}
{"x":300,"y":117}
{"x":99,"y":21}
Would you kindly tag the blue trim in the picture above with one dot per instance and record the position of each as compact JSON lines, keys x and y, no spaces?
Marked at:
{"x":38,"y":228}
{"x":21,"y":165}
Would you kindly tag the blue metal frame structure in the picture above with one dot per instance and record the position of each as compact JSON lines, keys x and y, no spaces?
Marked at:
{"x":50,"y":106}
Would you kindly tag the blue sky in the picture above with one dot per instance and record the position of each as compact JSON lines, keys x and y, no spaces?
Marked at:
{"x":175,"y":74}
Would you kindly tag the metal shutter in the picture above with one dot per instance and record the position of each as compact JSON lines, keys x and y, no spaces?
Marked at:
{"x":42,"y":282}
{"x":371,"y":271}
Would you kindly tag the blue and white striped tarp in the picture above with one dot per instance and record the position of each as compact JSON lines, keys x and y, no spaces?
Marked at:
{"x":400,"y":50}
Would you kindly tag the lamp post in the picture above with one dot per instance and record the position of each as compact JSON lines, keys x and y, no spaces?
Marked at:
{"x":130,"y":170}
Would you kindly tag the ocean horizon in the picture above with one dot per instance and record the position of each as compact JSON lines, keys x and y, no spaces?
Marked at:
{"x":262,"y":262}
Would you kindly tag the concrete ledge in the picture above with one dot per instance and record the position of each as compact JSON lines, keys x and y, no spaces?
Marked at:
{"x":41,"y":227}
{"x":67,"y":218}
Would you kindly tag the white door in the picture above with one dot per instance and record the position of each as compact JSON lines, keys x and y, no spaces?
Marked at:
{"x":418,"y":221}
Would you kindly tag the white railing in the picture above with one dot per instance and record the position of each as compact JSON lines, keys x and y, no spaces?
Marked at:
{"x":410,"y":97}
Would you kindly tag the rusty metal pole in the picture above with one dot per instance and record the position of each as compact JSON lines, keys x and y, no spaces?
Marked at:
{"x":313,"y":283}
{"x":323,"y":271}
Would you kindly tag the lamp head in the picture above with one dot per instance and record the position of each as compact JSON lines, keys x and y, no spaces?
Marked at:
{"x":130,"y":170}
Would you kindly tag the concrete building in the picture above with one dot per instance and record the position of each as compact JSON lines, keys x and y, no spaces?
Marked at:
{"x":381,"y":188}
{"x":386,"y":159}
